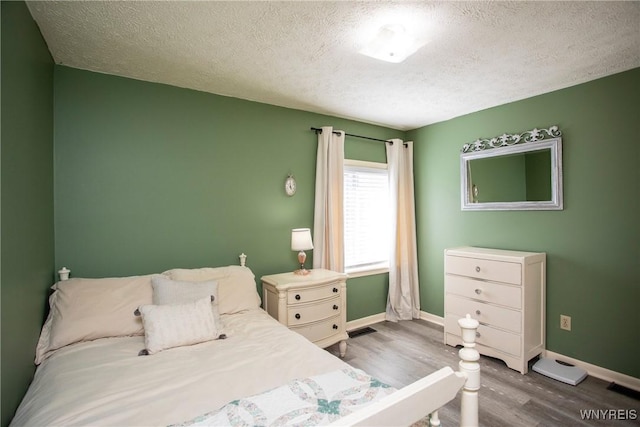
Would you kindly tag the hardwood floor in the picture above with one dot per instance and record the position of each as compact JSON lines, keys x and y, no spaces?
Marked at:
{"x":400,"y":353}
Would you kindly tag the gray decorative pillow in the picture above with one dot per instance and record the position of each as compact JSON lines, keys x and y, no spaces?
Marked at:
{"x":172,"y":292}
{"x":236,"y":285}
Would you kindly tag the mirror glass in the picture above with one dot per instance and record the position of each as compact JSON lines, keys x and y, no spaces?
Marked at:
{"x":518,"y":177}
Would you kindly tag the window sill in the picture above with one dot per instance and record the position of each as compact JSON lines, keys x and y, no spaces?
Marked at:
{"x":367,"y":272}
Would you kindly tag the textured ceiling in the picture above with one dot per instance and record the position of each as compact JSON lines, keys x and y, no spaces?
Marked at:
{"x":304,"y":55}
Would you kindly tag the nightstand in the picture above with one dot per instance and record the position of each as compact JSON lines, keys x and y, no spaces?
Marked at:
{"x":314,"y":305}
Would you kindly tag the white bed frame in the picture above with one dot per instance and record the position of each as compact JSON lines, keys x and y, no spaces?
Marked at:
{"x":424,"y":397}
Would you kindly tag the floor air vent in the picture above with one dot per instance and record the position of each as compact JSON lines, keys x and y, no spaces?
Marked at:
{"x":361,"y":331}
{"x":624,"y":390}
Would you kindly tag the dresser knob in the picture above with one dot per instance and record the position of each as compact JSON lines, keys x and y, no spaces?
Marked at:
{"x":298,"y":297}
{"x":335,"y":307}
{"x":297,"y":316}
{"x":335,"y":326}
{"x":478,"y":312}
{"x":478,"y":291}
{"x":335,"y":290}
{"x":477,"y":334}
{"x":477,"y":269}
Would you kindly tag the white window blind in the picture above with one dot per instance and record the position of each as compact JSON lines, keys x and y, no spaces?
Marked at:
{"x":366,"y":216}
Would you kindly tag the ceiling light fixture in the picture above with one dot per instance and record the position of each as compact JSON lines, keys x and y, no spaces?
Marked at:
{"x":392,"y":44}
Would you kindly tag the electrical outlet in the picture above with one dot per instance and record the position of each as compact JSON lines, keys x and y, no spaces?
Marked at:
{"x":565,"y":322}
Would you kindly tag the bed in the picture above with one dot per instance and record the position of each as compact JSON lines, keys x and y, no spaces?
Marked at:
{"x":192,"y":347}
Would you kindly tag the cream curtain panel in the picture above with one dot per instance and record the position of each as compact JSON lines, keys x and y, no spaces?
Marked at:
{"x":403,"y":302}
{"x":328,"y":228}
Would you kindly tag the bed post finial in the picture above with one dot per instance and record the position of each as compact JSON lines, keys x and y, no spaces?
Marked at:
{"x":469,"y":357}
{"x":64,"y":273}
{"x":243,"y":259}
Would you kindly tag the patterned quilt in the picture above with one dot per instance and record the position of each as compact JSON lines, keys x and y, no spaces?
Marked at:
{"x":313,"y":401}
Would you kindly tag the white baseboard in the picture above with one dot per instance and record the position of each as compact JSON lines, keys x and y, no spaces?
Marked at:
{"x":432,"y":318}
{"x":380,"y":317}
{"x":598,"y":372}
{"x":365,"y":321}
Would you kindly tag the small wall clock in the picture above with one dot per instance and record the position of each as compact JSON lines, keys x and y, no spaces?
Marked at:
{"x":290,"y":185}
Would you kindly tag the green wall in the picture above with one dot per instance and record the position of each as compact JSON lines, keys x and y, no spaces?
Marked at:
{"x":592,"y":245}
{"x":27,"y":197}
{"x":150,"y":177}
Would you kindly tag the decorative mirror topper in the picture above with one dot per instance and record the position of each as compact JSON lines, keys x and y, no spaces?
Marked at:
{"x":504,"y":140}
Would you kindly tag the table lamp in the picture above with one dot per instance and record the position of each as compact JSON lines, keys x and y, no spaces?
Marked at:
{"x":301,"y":241}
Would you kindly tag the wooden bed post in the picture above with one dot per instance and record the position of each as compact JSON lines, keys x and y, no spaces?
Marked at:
{"x":469,"y":357}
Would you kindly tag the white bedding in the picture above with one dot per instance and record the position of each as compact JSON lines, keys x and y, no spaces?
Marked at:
{"x":105,"y":382}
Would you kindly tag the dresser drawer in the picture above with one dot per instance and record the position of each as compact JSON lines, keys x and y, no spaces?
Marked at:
{"x":500,"y":340}
{"x":485,"y":269}
{"x":510,"y":296}
{"x":301,"y":314}
{"x":296,"y":296}
{"x":500,"y":317}
{"x":319,"y":330}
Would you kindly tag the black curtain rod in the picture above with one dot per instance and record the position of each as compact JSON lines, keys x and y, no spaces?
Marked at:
{"x":318,"y":130}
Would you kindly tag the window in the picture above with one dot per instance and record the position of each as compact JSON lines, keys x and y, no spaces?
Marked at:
{"x":366,"y":216}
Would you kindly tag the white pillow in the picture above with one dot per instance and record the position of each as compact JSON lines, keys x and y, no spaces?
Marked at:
{"x":171,"y":292}
{"x":236,"y":285}
{"x":168,"y":326}
{"x":88,"y":309}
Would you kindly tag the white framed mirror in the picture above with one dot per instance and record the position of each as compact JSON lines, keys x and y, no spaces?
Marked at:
{"x":513,"y":172}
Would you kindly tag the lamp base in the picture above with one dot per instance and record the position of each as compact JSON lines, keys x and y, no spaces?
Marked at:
{"x":302,"y":272}
{"x":302,"y":257}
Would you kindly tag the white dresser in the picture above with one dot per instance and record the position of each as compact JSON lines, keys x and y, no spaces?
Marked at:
{"x":314,"y":305}
{"x":503,"y":290}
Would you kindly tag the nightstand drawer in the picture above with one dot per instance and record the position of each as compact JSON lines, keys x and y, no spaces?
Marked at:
{"x":299,"y":296}
{"x":500,"y":317}
{"x":484,"y":269}
{"x":301,"y":314}
{"x":319,"y":330}
{"x":510,"y":296}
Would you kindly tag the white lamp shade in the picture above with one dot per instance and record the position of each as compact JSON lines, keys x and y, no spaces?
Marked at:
{"x":301,"y":239}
